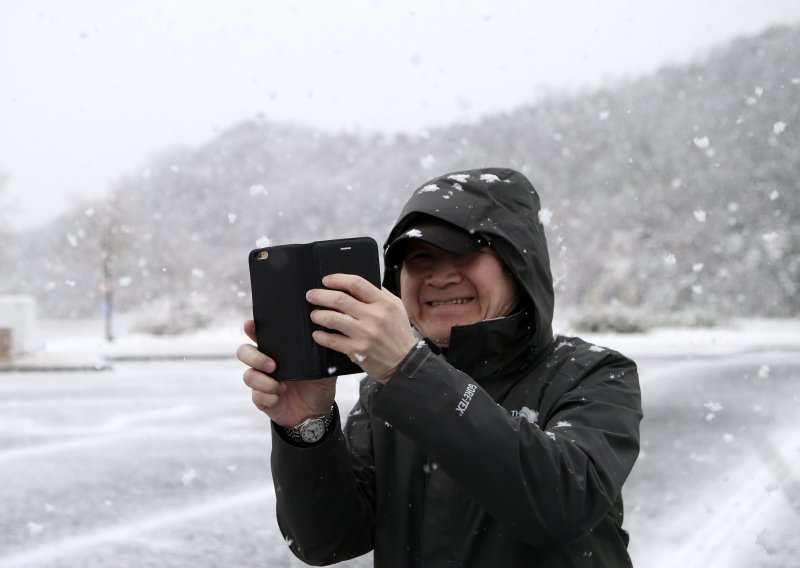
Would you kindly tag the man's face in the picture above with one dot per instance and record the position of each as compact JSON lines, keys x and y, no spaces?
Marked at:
{"x":440,"y":289}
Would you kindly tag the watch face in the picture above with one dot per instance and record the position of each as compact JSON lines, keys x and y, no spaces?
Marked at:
{"x":313,"y":430}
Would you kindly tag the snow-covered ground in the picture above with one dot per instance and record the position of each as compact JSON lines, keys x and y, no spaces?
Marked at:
{"x":162,"y":461}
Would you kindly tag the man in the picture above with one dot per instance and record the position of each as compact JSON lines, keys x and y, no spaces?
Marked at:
{"x":478,"y":439}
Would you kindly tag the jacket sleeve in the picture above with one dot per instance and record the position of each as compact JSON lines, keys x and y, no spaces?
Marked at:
{"x":550,"y":479}
{"x":324,"y":493}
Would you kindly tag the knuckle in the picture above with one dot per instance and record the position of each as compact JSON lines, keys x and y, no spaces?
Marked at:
{"x":359,"y":285}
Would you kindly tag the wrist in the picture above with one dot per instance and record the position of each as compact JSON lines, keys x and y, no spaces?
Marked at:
{"x":412,"y":346}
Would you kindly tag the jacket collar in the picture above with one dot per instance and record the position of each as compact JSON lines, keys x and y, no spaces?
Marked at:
{"x":494,"y":352}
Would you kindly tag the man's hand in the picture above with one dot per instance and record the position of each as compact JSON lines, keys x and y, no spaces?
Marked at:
{"x":286,"y":402}
{"x":376,"y":333}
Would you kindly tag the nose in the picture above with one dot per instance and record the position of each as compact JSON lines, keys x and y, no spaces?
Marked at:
{"x":444,"y":272}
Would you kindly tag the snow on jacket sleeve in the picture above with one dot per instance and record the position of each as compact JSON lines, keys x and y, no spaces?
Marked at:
{"x":324,"y":495}
{"x":548,"y":484}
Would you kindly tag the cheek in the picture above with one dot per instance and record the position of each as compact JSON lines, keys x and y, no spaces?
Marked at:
{"x":408,"y":291}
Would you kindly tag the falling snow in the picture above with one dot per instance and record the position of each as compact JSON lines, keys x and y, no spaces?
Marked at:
{"x":427,"y":162}
{"x":188,"y":476}
{"x":35,"y":529}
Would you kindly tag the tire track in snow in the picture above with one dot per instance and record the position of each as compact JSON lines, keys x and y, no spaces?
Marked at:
{"x":135,"y":529}
{"x":728,"y":536}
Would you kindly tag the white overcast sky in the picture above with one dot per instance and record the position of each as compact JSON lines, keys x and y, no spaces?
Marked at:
{"x":90,"y":88}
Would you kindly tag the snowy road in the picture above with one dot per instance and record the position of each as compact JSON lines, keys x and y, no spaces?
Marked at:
{"x":717,"y":482}
{"x":166,"y":464}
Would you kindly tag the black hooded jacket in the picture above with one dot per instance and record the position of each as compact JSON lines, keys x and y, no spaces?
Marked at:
{"x":510,"y":449}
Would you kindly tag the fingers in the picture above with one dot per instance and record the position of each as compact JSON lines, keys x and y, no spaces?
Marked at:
{"x":357,"y":286}
{"x":266,"y":390}
{"x":347,"y":294}
{"x":250,"y":330}
{"x":341,"y":302}
{"x":338,"y":342}
{"x":335,"y":320}
{"x":252,"y":357}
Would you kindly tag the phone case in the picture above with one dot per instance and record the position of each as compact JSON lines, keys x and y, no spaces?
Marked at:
{"x":280,"y":276}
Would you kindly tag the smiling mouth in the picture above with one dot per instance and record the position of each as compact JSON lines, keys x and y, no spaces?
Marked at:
{"x":453,"y":302}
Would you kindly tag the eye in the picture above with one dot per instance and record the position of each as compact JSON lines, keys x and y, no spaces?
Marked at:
{"x":417,"y":257}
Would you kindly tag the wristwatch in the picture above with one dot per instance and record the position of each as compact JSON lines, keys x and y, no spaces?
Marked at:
{"x":311,"y":430}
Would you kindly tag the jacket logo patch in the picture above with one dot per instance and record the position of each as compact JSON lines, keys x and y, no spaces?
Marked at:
{"x":526,"y":413}
{"x":466,"y":399}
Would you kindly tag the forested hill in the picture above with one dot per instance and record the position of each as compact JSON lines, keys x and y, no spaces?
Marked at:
{"x":678,"y":192}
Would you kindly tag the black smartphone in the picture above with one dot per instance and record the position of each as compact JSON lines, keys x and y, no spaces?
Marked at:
{"x":280,"y":276}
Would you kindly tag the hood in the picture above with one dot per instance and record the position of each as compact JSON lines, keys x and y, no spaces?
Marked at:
{"x":502,"y":206}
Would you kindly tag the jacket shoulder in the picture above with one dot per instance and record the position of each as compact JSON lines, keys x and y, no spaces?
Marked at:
{"x":570,"y":352}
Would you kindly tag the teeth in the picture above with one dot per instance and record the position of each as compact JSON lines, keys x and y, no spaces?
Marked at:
{"x":450,"y":302}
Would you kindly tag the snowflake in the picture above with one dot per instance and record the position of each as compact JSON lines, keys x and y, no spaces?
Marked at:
{"x":187,"y":477}
{"x":427,"y":162}
{"x":257,"y":189}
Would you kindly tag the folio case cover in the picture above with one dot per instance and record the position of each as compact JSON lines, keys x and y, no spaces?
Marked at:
{"x":279,"y":280}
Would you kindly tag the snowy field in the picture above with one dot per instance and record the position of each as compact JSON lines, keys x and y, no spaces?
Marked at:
{"x":165,"y":462}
